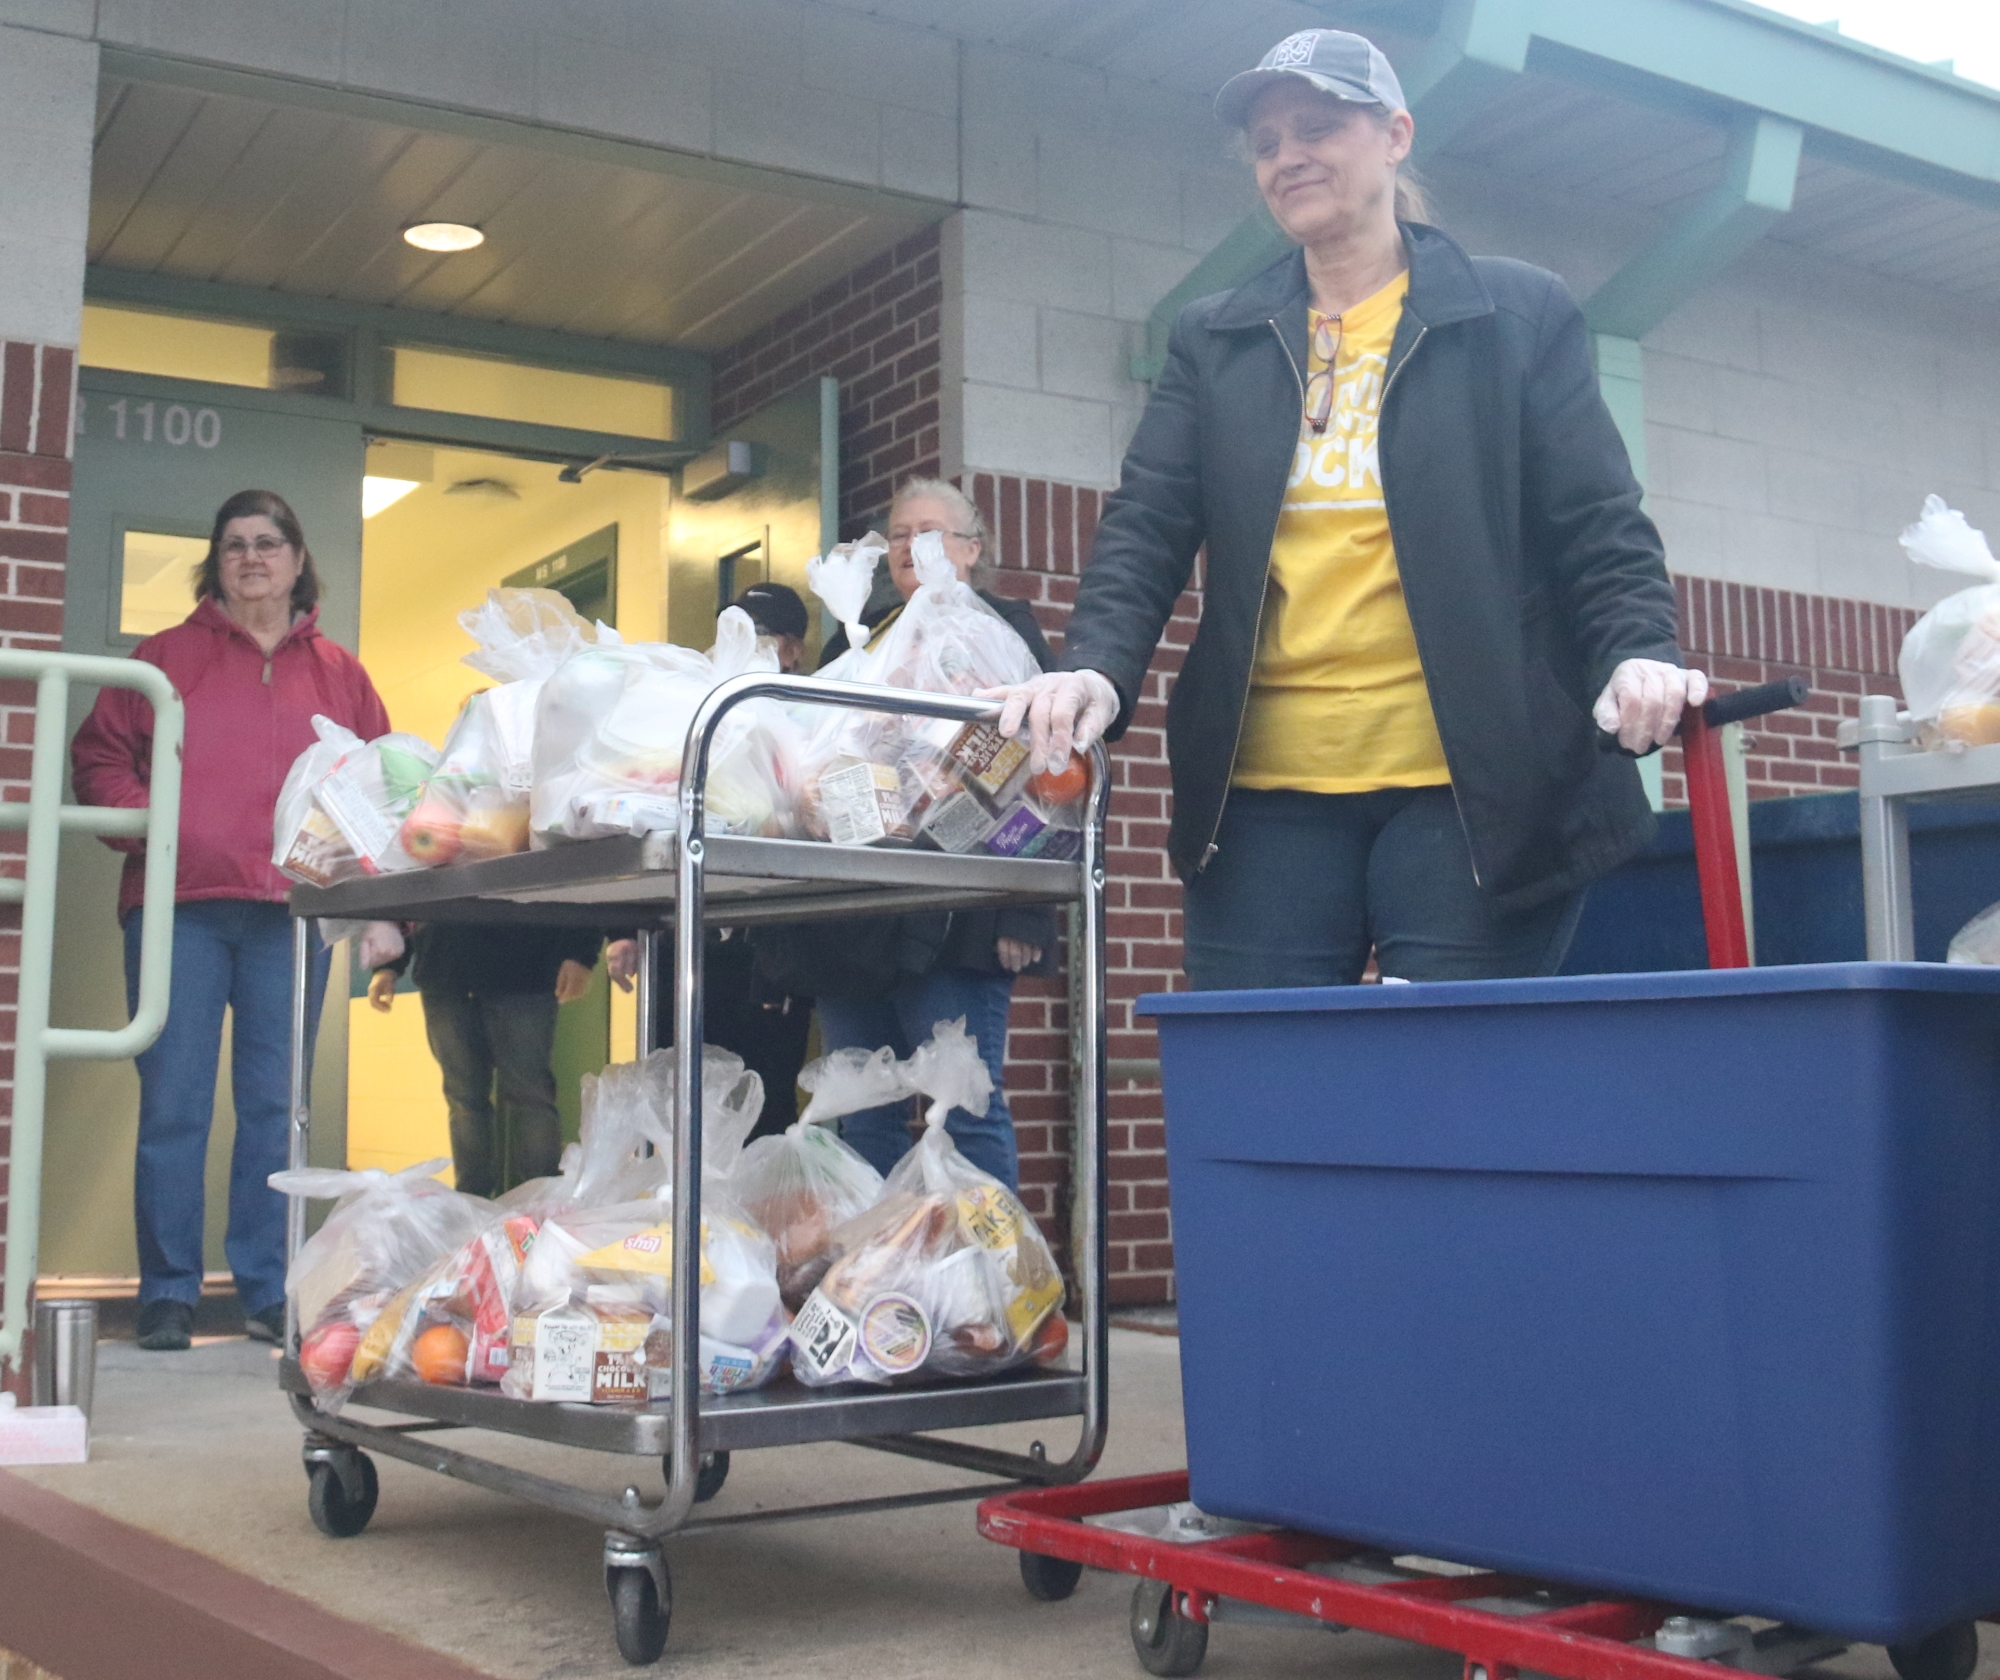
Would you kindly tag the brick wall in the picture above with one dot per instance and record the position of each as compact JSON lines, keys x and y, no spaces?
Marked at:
{"x":37,"y":393}
{"x":1743,"y":635}
{"x":876,"y":331}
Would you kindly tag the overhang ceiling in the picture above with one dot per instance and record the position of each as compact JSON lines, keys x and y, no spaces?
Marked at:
{"x":215,"y":187}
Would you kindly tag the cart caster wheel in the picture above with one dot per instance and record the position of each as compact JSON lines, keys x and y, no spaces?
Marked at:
{"x":1050,"y":1579}
{"x":708,"y":1477}
{"x":1166,"y":1642}
{"x":341,"y":1506}
{"x":1949,"y":1654}
{"x":641,"y":1612}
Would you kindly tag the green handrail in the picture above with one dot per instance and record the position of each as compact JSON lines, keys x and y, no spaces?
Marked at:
{"x":45,"y":816}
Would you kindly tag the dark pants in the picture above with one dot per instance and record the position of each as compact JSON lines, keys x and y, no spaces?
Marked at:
{"x":903,"y":1020}
{"x":770,"y":1034}
{"x":233,"y":953}
{"x":1303,"y":885}
{"x":481,"y":1042}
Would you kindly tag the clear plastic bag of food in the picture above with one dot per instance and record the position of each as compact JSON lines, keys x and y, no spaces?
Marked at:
{"x":947,"y":1275}
{"x":872,"y":776}
{"x":385,"y":1232}
{"x":343,"y":802}
{"x":611,"y":725}
{"x":803,"y":1184}
{"x":1950,"y":660}
{"x":1978,"y":941}
{"x":452,"y":1326}
{"x":475,"y":804}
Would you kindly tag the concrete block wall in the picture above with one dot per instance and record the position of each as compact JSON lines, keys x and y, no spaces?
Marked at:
{"x":47,"y":97}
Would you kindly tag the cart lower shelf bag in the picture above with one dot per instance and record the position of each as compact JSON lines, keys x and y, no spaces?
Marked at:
{"x":1684,"y":1285}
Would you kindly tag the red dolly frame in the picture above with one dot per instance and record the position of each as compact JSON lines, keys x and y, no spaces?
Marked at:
{"x":1578,"y":1636}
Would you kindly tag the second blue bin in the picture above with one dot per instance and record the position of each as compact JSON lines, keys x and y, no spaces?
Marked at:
{"x":1684,"y":1285}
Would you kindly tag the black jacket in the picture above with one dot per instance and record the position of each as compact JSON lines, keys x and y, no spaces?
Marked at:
{"x":1529,"y":569}
{"x":479,"y":959}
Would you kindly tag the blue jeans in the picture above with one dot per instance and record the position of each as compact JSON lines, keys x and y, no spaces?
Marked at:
{"x":1303,"y":885}
{"x":903,"y":1020}
{"x":238,"y":953}
{"x":495,"y":1146}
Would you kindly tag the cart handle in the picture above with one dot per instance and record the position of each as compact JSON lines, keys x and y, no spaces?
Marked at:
{"x":1755,"y":702}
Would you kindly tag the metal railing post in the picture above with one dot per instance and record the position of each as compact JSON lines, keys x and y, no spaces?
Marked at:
{"x":44,"y":817}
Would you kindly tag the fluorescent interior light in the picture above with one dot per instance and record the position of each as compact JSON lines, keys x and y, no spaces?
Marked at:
{"x":380,"y":493}
{"x":444,"y":236}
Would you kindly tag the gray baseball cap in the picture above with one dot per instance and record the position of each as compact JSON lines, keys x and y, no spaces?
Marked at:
{"x":1349,"y":67}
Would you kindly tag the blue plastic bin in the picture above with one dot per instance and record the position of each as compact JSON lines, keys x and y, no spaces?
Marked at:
{"x":1685,"y":1285}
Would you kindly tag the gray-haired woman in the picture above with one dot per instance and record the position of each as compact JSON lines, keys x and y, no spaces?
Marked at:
{"x":1429,"y":582}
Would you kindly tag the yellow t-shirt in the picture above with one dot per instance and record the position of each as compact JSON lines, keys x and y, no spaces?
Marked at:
{"x":1337,"y":697}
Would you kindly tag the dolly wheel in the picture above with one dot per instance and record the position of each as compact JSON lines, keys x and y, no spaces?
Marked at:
{"x":1167,"y":1643}
{"x":638,"y":1616}
{"x":1949,"y":1654}
{"x":341,"y":1506}
{"x":709,"y":1474}
{"x":1050,"y":1579}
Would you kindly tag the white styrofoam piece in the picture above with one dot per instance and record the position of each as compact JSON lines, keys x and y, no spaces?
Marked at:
{"x":44,"y":1435}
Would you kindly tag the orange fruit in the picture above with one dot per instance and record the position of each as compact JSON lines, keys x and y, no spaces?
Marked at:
{"x":439,"y":1354}
{"x":1059,"y":787}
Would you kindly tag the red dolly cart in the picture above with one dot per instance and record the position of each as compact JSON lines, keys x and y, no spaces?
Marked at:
{"x":1194,"y":1570}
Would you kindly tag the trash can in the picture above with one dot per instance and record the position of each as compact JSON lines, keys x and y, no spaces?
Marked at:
{"x":1684,"y":1285}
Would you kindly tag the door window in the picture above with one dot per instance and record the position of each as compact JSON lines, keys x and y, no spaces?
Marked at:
{"x":156,"y":573}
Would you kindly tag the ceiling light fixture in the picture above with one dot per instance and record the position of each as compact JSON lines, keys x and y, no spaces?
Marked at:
{"x":444,"y":236}
{"x":380,"y":493}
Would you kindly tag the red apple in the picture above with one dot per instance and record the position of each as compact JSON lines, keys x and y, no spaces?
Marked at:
{"x":327,"y":1353}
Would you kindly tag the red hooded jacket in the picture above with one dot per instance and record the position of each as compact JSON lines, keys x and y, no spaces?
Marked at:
{"x":248,"y":717}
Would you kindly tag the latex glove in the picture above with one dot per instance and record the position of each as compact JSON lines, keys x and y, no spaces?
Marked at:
{"x":1066,"y":711}
{"x":1017,"y":954}
{"x":1642,"y":702}
{"x":382,"y":991}
{"x":379,"y":943}
{"x":621,"y":962}
{"x":572,"y":981}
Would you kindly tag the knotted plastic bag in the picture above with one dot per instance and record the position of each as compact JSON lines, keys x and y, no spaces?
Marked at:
{"x":343,"y":802}
{"x":843,"y":578}
{"x":803,"y":1184}
{"x":947,"y":1275}
{"x":475,"y":804}
{"x":1950,"y":662}
{"x":385,"y":1232}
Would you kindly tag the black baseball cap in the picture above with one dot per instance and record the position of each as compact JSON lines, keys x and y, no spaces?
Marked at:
{"x":1349,"y":67}
{"x":774,"y":609}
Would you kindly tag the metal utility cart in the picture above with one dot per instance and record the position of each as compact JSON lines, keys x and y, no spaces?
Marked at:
{"x":686,"y":883}
{"x":1894,"y":772}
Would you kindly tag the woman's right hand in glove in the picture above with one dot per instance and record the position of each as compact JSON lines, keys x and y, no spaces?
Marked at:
{"x":1065,"y":711}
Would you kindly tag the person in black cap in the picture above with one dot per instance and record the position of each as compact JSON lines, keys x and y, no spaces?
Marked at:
{"x":1430,"y":598}
{"x":779,"y":614}
{"x":741,"y":1011}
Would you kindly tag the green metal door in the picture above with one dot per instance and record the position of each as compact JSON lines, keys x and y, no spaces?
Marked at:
{"x":154,"y":459}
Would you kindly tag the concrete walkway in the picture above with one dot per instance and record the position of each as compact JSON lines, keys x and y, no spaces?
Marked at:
{"x":200,"y":1448}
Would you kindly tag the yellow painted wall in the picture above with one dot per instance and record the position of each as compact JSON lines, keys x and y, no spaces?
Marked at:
{"x":424,"y":560}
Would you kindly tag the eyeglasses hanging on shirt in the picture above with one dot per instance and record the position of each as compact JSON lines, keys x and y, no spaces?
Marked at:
{"x":1319,"y":388}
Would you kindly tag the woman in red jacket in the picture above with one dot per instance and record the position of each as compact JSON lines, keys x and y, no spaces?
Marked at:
{"x":252,"y":667}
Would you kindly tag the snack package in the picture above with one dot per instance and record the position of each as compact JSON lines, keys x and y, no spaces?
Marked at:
{"x":947,"y":1275}
{"x":342,"y":807}
{"x":385,"y":1233}
{"x":475,"y":804}
{"x":872,"y":777}
{"x":611,"y":724}
{"x":1950,"y":661}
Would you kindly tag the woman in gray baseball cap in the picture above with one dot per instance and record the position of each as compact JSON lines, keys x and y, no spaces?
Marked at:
{"x":1430,"y":596}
